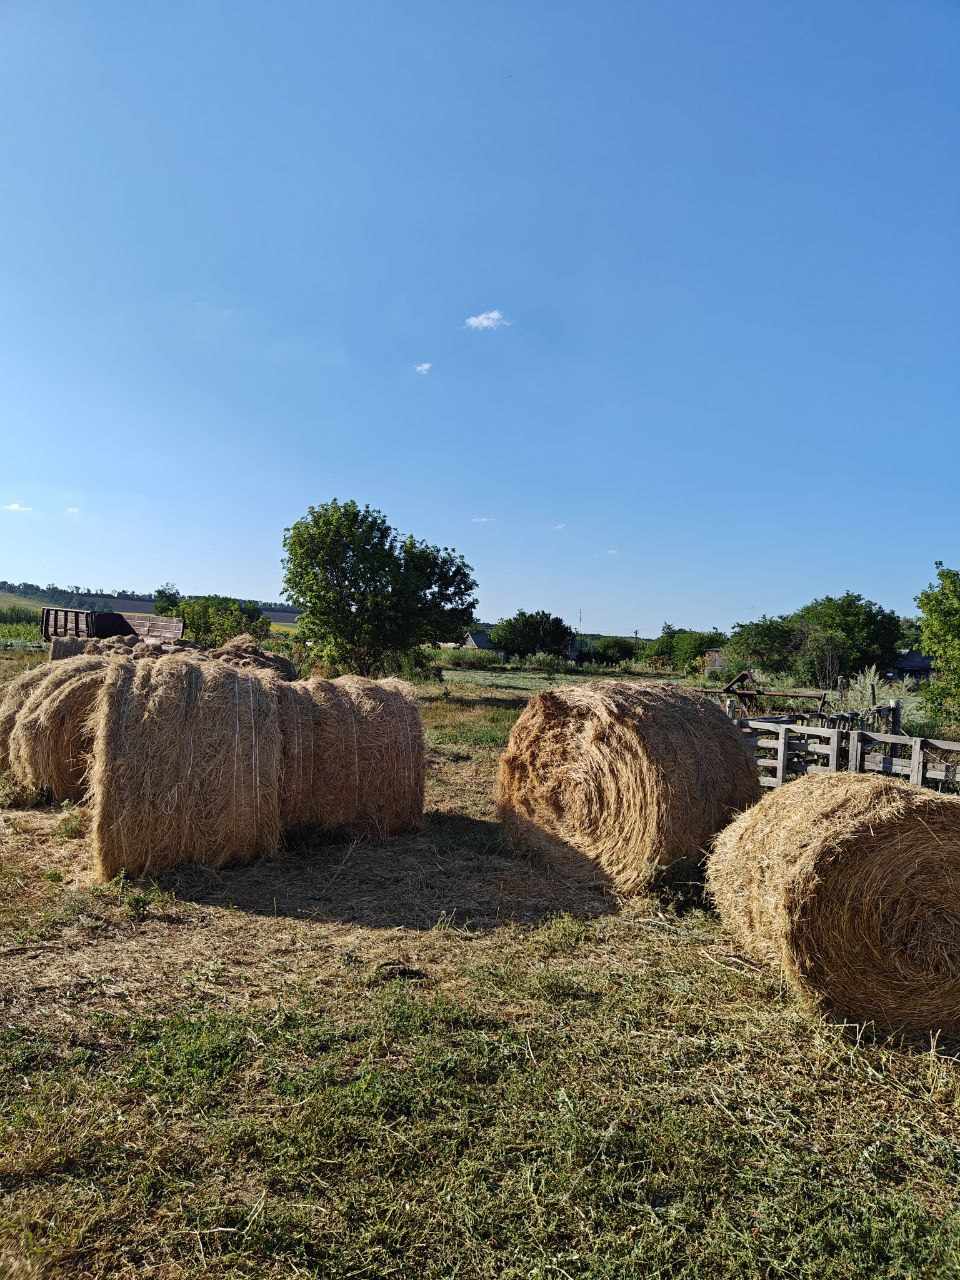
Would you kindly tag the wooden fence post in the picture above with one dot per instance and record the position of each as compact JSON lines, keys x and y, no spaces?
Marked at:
{"x":916,"y":763}
{"x":781,"y":770}
{"x":853,"y":762}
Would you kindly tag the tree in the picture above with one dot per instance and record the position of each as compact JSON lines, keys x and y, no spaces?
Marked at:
{"x":940,"y":636}
{"x":367,"y":596}
{"x":769,"y":643}
{"x":870,"y":632}
{"x":614,"y":649}
{"x":166,"y":600}
{"x":689,"y":646}
{"x":909,"y":637}
{"x":213,"y":620}
{"x":659,"y":652}
{"x":538,"y":632}
{"x":824,"y":657}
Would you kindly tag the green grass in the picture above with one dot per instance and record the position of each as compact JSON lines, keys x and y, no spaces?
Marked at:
{"x":223,"y":1076}
{"x":624,"y":1125}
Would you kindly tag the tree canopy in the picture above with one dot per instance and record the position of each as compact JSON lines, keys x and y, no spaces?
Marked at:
{"x":538,"y":632}
{"x":211,"y":620}
{"x":368,"y":596}
{"x":940,"y":634}
{"x":829,"y":637}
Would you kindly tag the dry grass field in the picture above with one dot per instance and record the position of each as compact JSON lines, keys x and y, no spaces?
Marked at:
{"x":435,"y":1058}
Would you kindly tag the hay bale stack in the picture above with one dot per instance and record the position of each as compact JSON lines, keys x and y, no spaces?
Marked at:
{"x":50,"y":739}
{"x":851,"y":884}
{"x":185,"y":767}
{"x":635,"y":777}
{"x":13,"y":695}
{"x":196,"y":760}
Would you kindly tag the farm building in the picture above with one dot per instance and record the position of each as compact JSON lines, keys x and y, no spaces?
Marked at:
{"x":913,"y":665}
{"x":477,"y":639}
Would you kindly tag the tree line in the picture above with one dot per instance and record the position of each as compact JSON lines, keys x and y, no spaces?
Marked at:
{"x":371,"y":599}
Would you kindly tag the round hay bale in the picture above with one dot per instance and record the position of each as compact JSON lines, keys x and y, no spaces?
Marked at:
{"x":851,"y":884}
{"x":13,"y":695}
{"x":186,"y":766}
{"x":634,"y":777}
{"x":50,"y":741}
{"x":384,"y":757}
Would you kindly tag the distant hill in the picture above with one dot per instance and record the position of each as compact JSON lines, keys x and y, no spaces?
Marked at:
{"x":30,"y":595}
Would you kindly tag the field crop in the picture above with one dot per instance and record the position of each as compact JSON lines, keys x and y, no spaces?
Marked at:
{"x":437,"y":1058}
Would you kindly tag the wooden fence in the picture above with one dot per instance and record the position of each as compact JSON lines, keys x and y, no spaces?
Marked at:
{"x":785,"y":751}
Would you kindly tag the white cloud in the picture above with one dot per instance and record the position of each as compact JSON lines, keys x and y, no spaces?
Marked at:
{"x":558,"y":527}
{"x":72,"y":511}
{"x":484,"y":519}
{"x":487,"y":320}
{"x":16,"y":506}
{"x":423,"y":368}
{"x":612,"y":551}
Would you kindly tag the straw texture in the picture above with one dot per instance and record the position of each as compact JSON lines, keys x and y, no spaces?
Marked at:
{"x":635,"y":777}
{"x":850,"y":883}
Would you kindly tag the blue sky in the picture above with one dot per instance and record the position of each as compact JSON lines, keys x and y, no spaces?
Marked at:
{"x":722,"y":241}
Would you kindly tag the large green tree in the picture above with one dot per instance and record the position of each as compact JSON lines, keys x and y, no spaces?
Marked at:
{"x":367,"y":595}
{"x":870,"y":632}
{"x":940,"y":637}
{"x":769,"y":643}
{"x":538,"y":632}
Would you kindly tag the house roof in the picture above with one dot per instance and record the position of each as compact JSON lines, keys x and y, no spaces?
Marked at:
{"x":913,"y":660}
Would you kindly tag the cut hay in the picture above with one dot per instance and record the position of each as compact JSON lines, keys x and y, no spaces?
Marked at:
{"x":196,"y":760}
{"x":383,"y":771}
{"x":13,"y":695}
{"x":66,"y":647}
{"x":186,"y":765}
{"x":50,"y":741}
{"x":244,"y":652}
{"x":634,"y":777}
{"x":850,"y":884}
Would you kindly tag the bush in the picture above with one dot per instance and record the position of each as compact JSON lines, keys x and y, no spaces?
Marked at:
{"x":551,"y":663}
{"x":612,"y":650}
{"x":467,"y":659}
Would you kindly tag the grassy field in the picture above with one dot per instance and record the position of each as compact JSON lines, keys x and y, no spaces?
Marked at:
{"x":435,"y":1058}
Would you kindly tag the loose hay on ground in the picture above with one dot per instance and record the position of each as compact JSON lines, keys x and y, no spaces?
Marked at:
{"x":635,"y":777}
{"x":851,"y":884}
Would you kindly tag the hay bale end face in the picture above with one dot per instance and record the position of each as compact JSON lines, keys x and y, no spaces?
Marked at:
{"x":12,"y":697}
{"x":851,"y":884}
{"x":50,"y":740}
{"x":635,"y":777}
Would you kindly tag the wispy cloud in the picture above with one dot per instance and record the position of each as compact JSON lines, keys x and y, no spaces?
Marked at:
{"x":16,"y":506}
{"x":558,"y":527}
{"x":72,"y":511}
{"x":487,"y":320}
{"x":484,"y":519}
{"x":423,"y":368}
{"x":612,"y":551}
